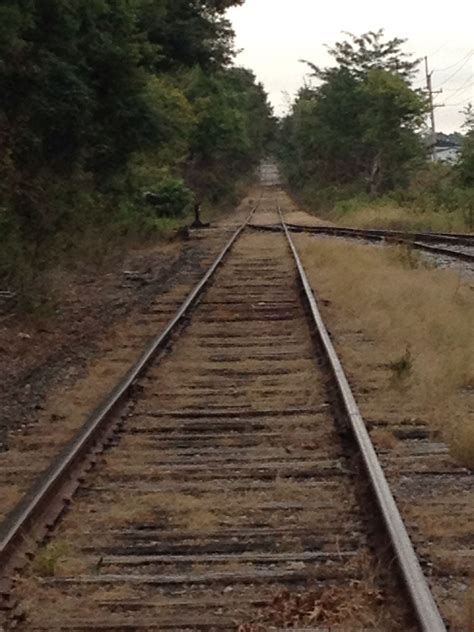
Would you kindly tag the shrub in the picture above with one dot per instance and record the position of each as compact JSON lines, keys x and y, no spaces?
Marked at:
{"x":171,"y":199}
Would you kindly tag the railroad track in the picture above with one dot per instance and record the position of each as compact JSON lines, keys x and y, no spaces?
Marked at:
{"x":234,"y":487}
{"x":455,"y":246}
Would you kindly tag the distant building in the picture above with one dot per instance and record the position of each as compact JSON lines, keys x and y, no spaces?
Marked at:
{"x":448,"y":147}
{"x":448,"y":155}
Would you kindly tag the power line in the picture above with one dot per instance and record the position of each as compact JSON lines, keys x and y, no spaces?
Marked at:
{"x":458,"y":87}
{"x":432,"y":93}
{"x":439,"y":49}
{"x":469,"y":54}
{"x":465,"y":83}
{"x":466,"y":102}
{"x":462,"y":89}
{"x":456,"y":72}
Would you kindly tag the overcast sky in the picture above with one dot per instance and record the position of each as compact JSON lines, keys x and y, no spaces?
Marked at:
{"x":275,"y":34}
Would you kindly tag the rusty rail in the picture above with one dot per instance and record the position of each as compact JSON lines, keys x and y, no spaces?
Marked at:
{"x":458,"y":239}
{"x":422,"y":600}
{"x":415,"y":240}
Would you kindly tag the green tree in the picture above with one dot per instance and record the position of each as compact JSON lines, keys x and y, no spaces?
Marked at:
{"x":358,"y":55}
{"x":466,"y":164}
{"x":232,"y":128}
{"x":105,"y":99}
{"x":392,"y":115}
{"x":73,"y":98}
{"x":189,"y":32}
{"x":359,"y":126}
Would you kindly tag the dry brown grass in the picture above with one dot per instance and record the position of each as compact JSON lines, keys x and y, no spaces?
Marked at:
{"x":384,"y":439}
{"x":11,"y":494}
{"x":304,"y":219}
{"x":417,"y":324}
{"x":66,"y":409}
{"x":470,"y":609}
{"x":266,"y":217}
{"x":462,"y":442}
{"x":354,"y":606}
{"x":44,"y":601}
{"x":393,"y":217}
{"x":183,"y":510}
{"x":258,"y":389}
{"x":436,"y":522}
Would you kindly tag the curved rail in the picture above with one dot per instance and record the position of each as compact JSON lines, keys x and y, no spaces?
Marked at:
{"x":416,"y":240}
{"x":460,"y":239}
{"x":387,"y":236}
{"x":44,"y":502}
{"x":423,"y":602}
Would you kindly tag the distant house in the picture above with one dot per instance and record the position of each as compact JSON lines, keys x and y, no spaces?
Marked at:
{"x":448,"y":155}
{"x":448,"y":148}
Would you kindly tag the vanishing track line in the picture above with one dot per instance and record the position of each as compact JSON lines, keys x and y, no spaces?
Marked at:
{"x":231,"y":495}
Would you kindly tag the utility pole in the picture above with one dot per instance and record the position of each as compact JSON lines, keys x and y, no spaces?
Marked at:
{"x":429,"y":86}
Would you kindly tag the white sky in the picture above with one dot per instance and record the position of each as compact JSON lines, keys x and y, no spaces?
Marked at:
{"x":275,"y":34}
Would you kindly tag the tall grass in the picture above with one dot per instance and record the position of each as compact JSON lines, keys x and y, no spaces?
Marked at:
{"x":418,"y":322}
{"x":387,"y":214}
{"x":433,"y":200}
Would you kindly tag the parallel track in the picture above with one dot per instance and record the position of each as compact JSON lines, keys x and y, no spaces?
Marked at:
{"x":220,"y":492}
{"x":419,"y":241}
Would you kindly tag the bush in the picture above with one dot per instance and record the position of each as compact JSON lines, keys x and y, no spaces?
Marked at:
{"x":172,"y":198}
{"x":434,"y":200}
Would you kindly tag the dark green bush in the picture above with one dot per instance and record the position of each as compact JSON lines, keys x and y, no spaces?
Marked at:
{"x":104,"y":100}
{"x":172,"y":198}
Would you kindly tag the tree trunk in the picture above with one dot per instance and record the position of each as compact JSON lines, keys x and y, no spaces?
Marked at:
{"x":375,"y":179}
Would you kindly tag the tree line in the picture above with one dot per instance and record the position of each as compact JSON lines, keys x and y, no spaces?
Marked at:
{"x":359,"y":126}
{"x":102,"y":100}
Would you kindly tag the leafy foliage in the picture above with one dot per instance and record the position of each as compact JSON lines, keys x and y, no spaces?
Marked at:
{"x":466,"y":165}
{"x":358,"y":55}
{"x":105,"y":99}
{"x":233,"y":126}
{"x":172,"y":198}
{"x":358,"y":128}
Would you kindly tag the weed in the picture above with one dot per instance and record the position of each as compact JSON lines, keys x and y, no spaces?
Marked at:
{"x":384,"y":439}
{"x":179,"y":510}
{"x":408,"y":257}
{"x":462,"y":443}
{"x":403,"y":367}
{"x":47,"y":560}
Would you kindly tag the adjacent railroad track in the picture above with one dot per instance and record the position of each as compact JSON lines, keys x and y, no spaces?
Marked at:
{"x":454,"y":246}
{"x":235,"y":485}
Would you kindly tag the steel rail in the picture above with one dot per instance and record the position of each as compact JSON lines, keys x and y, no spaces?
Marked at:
{"x":378,"y":236}
{"x":33,"y":512}
{"x":420,"y":594}
{"x":411,"y":239}
{"x":455,"y":238}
